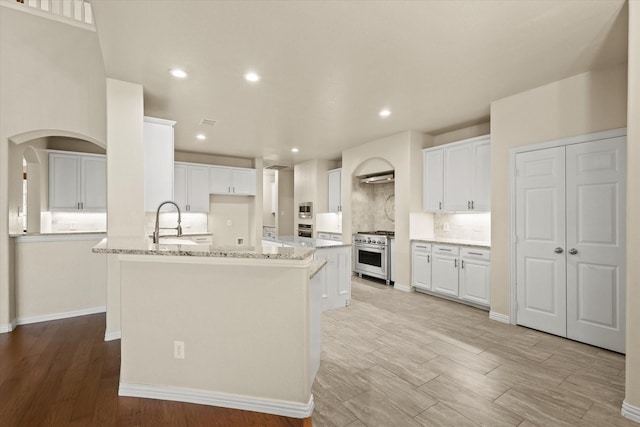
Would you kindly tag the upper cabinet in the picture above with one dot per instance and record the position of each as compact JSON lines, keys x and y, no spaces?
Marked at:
{"x":158,"y":162}
{"x":335,"y":181}
{"x":457,"y":176}
{"x":230,"y":180}
{"x":77,"y":182}
{"x":191,"y":187}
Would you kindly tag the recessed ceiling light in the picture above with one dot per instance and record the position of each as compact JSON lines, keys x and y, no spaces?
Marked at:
{"x":252,"y":77}
{"x":294,"y":150}
{"x":201,"y":137}
{"x":178,"y":73}
{"x":385,"y":113}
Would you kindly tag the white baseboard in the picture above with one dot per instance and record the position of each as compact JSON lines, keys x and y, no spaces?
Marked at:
{"x":58,"y":316}
{"x":403,"y":288}
{"x":630,"y":411}
{"x":499,"y":317}
{"x":8,"y":327}
{"x":211,"y":398}
{"x":112,"y":336}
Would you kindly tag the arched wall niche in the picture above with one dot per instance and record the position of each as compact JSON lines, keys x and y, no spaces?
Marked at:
{"x":373,"y":166}
{"x":369,"y":201}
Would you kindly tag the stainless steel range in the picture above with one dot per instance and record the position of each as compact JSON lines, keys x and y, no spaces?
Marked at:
{"x":371,"y":254}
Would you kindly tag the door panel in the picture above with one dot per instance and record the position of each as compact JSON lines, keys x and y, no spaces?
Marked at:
{"x":596,"y":230}
{"x":540,"y":228}
{"x":445,"y":275}
{"x":457,"y":177}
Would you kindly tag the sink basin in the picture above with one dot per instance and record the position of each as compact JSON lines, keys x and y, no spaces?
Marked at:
{"x":176,"y":241}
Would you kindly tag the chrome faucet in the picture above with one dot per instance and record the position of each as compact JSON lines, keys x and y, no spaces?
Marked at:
{"x":156,"y":233}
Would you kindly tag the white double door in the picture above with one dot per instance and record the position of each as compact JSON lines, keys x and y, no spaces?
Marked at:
{"x":570,"y":248}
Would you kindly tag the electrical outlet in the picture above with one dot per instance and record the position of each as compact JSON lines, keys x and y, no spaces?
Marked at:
{"x":229,"y":223}
{"x":240,"y":241}
{"x":445,"y":226}
{"x":178,"y":349}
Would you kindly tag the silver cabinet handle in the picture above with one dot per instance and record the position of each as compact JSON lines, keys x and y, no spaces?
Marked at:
{"x":440,"y":205}
{"x":428,"y":259}
{"x":462,"y":264}
{"x":468,"y":204}
{"x":559,"y":250}
{"x":455,"y":262}
{"x":229,"y":190}
{"x":573,"y":251}
{"x":472,"y":207}
{"x":475,"y":253}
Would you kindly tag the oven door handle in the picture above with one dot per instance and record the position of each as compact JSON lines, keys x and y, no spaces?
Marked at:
{"x":371,"y":247}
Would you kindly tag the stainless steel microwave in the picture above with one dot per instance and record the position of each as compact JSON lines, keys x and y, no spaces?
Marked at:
{"x":305,"y":210}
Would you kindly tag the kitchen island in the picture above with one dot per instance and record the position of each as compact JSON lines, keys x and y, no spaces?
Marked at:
{"x":336,"y":278}
{"x":233,"y":327}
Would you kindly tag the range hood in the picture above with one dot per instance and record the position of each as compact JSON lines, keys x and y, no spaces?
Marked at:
{"x":378,"y":179}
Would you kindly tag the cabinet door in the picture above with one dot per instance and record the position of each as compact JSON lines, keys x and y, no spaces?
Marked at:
{"x":457,"y":177}
{"x":433,"y":180}
{"x":93,"y":185}
{"x":198,"y":188}
{"x":158,"y":163}
{"x":219,"y":180}
{"x":335,"y":181}
{"x":474,"y":281}
{"x":445,"y":274}
{"x":64,"y":182}
{"x":481,"y":183}
{"x":421,"y":267}
{"x":243,"y":182}
{"x":180,"y":186}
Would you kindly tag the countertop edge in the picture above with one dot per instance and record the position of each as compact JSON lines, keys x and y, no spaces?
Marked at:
{"x":469,"y":244}
{"x":316,"y":266}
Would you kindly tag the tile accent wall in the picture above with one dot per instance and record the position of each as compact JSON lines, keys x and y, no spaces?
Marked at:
{"x":60,"y":222}
{"x":368,"y":206}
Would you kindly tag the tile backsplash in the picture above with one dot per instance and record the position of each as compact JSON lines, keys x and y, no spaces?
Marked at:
{"x":192,"y":222}
{"x":463,"y":226}
{"x":60,"y":222}
{"x":368,"y":205}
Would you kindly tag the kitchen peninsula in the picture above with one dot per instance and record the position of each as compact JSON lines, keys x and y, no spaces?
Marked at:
{"x":233,"y":327}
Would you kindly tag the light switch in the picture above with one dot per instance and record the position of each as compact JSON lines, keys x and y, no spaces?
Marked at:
{"x":229,"y":223}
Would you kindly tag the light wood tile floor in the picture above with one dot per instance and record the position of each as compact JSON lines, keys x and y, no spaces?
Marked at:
{"x":407,"y":359}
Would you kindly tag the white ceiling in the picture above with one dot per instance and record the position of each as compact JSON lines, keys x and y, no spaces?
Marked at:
{"x":329,"y":67}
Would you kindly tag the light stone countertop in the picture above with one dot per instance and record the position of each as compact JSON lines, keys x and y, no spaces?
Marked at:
{"x":305,"y":242}
{"x":61,"y":233}
{"x":146,"y":247}
{"x":316,"y":266}
{"x":458,"y":242}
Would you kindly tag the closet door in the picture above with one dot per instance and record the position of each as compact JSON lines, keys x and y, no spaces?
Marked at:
{"x":596,"y":243}
{"x":540,"y":246}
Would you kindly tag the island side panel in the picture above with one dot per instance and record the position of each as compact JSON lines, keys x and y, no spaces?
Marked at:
{"x":245,"y":328}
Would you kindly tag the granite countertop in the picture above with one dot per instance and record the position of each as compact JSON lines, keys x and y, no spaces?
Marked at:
{"x":61,"y":233}
{"x":305,"y":242}
{"x":316,"y":266}
{"x":469,"y":243}
{"x":146,"y":247}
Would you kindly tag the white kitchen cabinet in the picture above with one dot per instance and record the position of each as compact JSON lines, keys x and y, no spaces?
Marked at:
{"x":77,"y":182}
{"x":336,"y":280}
{"x":421,"y":265}
{"x":158,"y":162}
{"x":444,"y":278}
{"x":457,"y":176}
{"x":433,"y":179}
{"x":234,"y":181}
{"x":474,"y":275}
{"x":335,"y":191}
{"x":330,"y":236}
{"x":191,"y":187}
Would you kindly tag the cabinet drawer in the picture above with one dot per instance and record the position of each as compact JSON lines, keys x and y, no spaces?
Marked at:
{"x":203,"y":240}
{"x":446,"y":250}
{"x":479,"y":254}
{"x":422,"y":247}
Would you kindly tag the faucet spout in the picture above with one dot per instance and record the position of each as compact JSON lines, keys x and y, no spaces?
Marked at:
{"x":156,"y":232}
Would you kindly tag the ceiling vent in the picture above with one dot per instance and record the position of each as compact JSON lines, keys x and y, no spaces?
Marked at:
{"x":276,"y":167}
{"x":208,"y":122}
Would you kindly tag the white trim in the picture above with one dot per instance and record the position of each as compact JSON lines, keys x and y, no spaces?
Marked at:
{"x":562,"y":142}
{"x":402,"y":287}
{"x":630,"y":411}
{"x":156,"y":120}
{"x":62,"y":315}
{"x":60,"y":237}
{"x":499,"y":317}
{"x":486,"y":137}
{"x":213,"y":398}
{"x":112,"y":336}
{"x":159,"y":257}
{"x":8,"y":327}
{"x":48,"y":15}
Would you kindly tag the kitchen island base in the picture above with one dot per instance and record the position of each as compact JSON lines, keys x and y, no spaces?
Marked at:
{"x":231,"y":332}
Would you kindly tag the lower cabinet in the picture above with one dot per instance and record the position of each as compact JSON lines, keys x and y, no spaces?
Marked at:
{"x":459,"y":273}
{"x":336,"y":279}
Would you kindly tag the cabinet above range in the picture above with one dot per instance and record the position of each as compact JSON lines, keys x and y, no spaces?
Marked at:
{"x":457,"y":176}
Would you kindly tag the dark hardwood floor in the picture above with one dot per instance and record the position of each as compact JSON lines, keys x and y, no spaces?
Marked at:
{"x":62,"y":373}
